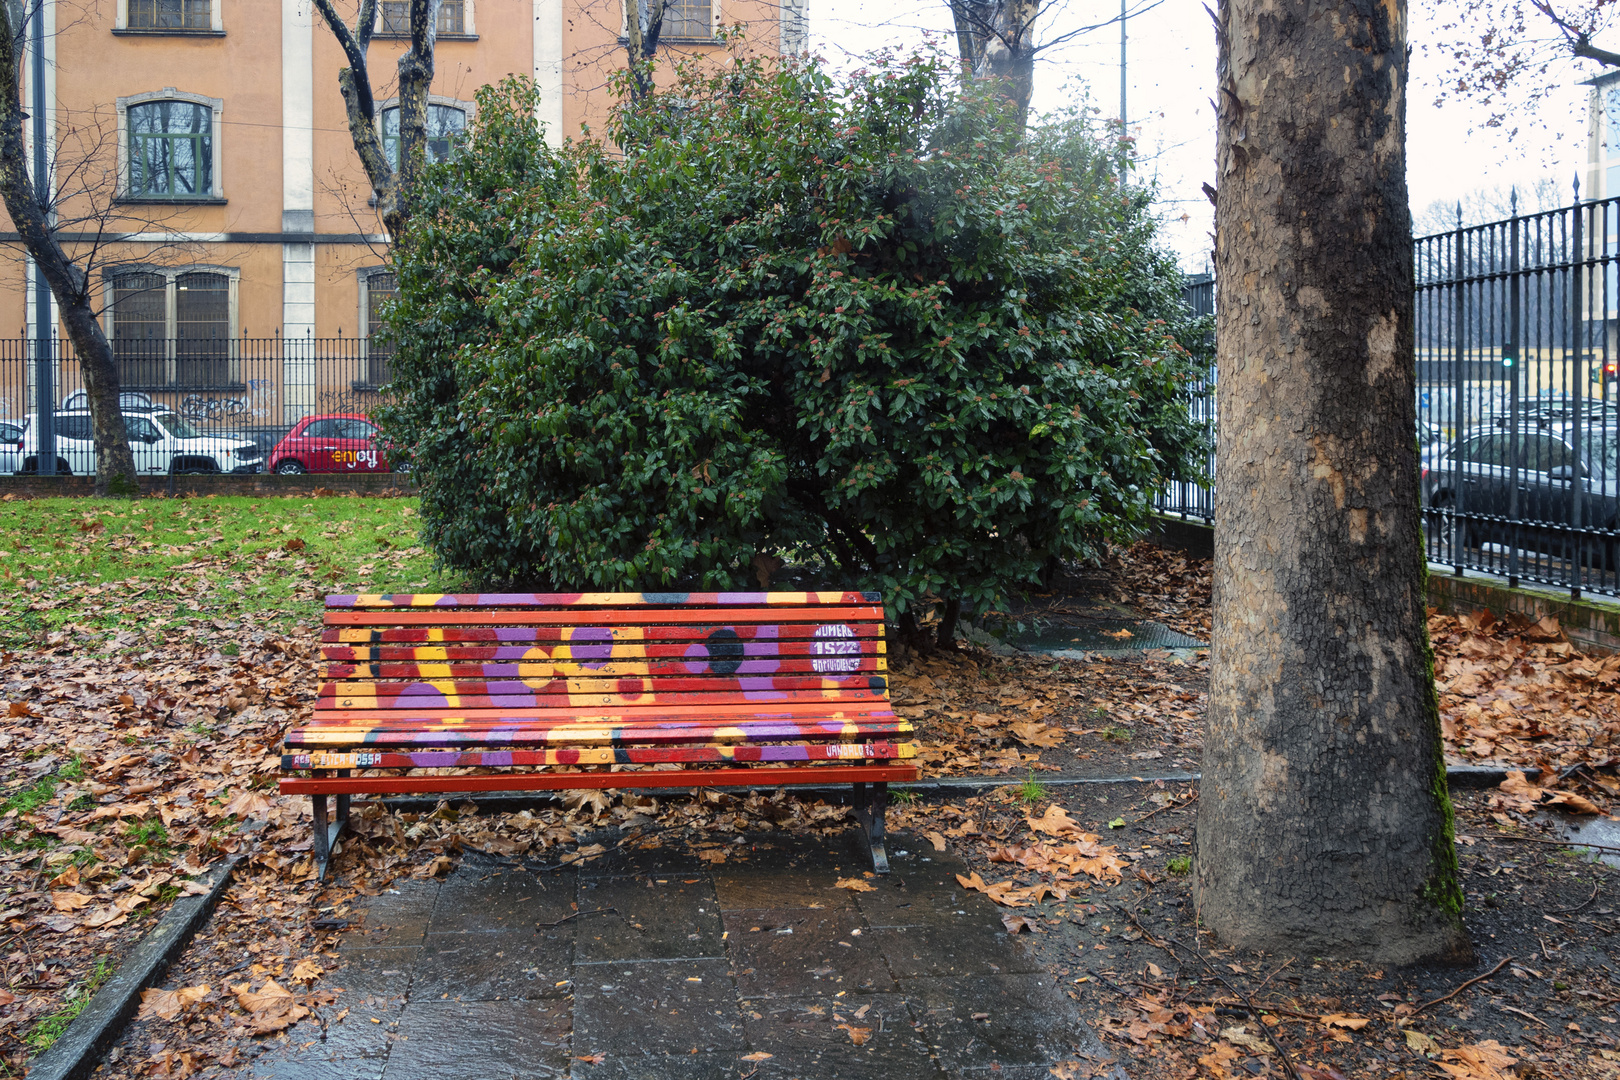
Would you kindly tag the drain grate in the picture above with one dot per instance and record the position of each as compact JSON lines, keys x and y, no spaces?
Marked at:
{"x":1105,"y":635}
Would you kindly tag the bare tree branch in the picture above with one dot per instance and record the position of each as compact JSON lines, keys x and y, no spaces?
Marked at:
{"x":28,"y":201}
{"x":391,"y":182}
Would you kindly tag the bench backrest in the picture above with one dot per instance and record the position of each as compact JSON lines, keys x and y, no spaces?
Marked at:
{"x":691,"y":653}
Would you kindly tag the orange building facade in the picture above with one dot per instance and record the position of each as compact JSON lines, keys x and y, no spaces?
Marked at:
{"x":206,"y":175}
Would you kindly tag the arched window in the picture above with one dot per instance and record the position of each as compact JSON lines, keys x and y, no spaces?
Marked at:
{"x":171,"y":150}
{"x":168,"y":146}
{"x":445,"y":123}
{"x":173,"y":327}
{"x":141,"y":328}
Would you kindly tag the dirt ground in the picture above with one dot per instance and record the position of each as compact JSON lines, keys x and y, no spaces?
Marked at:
{"x":1174,"y":1004}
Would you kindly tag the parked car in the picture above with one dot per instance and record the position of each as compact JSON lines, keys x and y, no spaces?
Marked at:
{"x":11,"y":446}
{"x":329,"y":443}
{"x":1530,"y":475}
{"x":160,"y":439}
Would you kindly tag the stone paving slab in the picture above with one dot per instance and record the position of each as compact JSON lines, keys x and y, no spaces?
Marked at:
{"x":658,"y":964}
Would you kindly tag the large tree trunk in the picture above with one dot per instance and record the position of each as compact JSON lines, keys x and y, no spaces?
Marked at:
{"x":1324,"y":826}
{"x":996,"y":40}
{"x":69,"y":284}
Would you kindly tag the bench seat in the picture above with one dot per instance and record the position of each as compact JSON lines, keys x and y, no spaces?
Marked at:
{"x":652,"y":690}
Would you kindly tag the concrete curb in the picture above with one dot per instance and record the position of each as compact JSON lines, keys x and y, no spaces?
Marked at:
{"x":1457,"y":776}
{"x":76,"y":1054}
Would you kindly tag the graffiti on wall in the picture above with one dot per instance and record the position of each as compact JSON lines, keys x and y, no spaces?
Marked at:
{"x":347,"y":401}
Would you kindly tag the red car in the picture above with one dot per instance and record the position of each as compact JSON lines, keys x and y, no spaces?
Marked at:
{"x":329,"y":443}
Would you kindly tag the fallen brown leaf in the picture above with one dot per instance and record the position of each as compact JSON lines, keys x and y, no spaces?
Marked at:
{"x":857,"y":1035}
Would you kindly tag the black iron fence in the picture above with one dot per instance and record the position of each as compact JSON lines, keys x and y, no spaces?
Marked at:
{"x":1518,"y":407}
{"x":231,"y":390}
{"x":1185,"y":498}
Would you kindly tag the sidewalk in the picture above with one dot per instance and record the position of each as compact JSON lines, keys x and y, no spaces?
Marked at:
{"x":655,"y":964}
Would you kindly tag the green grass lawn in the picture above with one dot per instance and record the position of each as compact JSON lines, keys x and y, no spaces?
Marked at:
{"x":160,"y":563}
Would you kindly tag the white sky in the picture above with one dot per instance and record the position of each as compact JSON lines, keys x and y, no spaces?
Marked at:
{"x":1170,"y":72}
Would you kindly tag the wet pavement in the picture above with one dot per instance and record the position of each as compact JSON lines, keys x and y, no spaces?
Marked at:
{"x":1603,"y":834}
{"x":656,"y":964}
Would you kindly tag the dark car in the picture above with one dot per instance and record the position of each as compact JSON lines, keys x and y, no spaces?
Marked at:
{"x":329,"y":443}
{"x":1533,"y":475}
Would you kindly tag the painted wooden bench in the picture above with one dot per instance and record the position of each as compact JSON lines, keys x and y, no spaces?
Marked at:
{"x":676,"y":690}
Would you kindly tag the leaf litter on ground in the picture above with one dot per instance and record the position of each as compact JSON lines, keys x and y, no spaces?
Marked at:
{"x":143,"y":710}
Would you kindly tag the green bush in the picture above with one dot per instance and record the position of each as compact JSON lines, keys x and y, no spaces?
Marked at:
{"x":848,"y":323}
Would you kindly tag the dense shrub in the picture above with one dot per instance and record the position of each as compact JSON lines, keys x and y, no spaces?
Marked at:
{"x":852,"y":323}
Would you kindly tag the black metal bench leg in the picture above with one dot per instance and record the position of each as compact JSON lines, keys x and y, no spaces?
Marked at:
{"x":342,"y":806}
{"x":323,"y":845}
{"x":326,"y":834}
{"x":870,"y":809}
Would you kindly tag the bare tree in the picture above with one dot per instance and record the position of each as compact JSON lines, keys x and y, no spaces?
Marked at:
{"x":1494,"y":203}
{"x":996,"y":39}
{"x":31,"y":202}
{"x":644,"y":25}
{"x":392,"y":182}
{"x":1505,"y":54}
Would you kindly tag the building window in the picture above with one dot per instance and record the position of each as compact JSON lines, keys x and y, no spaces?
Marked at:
{"x":394,"y":17}
{"x":688,"y":19}
{"x":174,"y":327}
{"x":171,"y":150}
{"x":171,"y":14}
{"x":377,"y":289}
{"x":167,"y":17}
{"x":445,"y":123}
{"x":168,"y":146}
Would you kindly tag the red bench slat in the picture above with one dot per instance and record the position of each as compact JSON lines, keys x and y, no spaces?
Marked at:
{"x":756,"y":776}
{"x":607,"y":617}
{"x":605,"y":755}
{"x":424,"y":670}
{"x":609,"y":600}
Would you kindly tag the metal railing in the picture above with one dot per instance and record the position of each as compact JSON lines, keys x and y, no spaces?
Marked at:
{"x":1517,"y":330}
{"x":1183,"y":497}
{"x":251,"y":389}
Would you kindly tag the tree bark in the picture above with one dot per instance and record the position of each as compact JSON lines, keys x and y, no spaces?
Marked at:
{"x":392,"y":186}
{"x":996,"y":40}
{"x":641,"y":44}
{"x":29,"y":207}
{"x":1324,"y":825}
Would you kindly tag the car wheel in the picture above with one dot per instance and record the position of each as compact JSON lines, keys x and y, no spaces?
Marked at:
{"x":289,"y":468}
{"x":1437,"y":525}
{"x":31,"y":467}
{"x":1440,"y":527}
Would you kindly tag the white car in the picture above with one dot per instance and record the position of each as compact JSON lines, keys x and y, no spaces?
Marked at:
{"x":11,"y":444}
{"x":161,"y":441}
